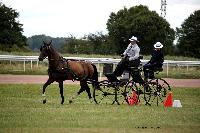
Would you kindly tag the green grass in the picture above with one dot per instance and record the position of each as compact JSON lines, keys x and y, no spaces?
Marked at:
{"x":18,"y":68}
{"x":181,"y":73}
{"x":21,"y":110}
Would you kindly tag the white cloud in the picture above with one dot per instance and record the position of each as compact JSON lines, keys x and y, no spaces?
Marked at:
{"x":79,"y":17}
{"x":177,"y":13}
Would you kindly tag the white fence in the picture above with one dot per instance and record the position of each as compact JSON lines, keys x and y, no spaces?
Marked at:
{"x":97,"y":61}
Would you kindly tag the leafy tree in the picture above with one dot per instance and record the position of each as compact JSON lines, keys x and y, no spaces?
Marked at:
{"x":71,"y":46}
{"x":36,"y":41}
{"x":189,"y":36}
{"x":100,"y":43}
{"x":11,"y":29}
{"x":89,"y":44}
{"x":147,"y":25}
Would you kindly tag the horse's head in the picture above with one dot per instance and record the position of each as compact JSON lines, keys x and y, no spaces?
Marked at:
{"x":44,"y":50}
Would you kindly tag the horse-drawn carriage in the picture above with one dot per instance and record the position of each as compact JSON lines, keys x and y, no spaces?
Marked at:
{"x":119,"y":91}
{"x":107,"y":91}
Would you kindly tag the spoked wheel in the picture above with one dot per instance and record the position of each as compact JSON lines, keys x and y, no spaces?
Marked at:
{"x":129,"y":89}
{"x":104,"y":94}
{"x":155,"y":91}
{"x":121,"y":93}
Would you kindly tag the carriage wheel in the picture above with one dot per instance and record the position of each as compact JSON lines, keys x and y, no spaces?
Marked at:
{"x":105,"y":94}
{"x":121,"y":93}
{"x":155,"y":91}
{"x":129,"y":89}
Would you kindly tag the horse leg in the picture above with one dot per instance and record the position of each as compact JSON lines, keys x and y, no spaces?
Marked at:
{"x":49,"y":81}
{"x":61,"y":91}
{"x":87,"y":88}
{"x":79,"y":92}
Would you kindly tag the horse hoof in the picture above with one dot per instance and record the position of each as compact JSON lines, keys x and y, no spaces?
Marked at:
{"x":70,"y":101}
{"x":44,"y":101}
{"x":91,"y":100}
{"x":62,"y":102}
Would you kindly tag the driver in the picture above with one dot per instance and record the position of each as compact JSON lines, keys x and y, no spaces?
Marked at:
{"x":156,"y":61}
{"x":130,"y":57}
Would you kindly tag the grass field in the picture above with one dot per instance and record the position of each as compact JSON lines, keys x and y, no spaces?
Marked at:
{"x":21,"y":110}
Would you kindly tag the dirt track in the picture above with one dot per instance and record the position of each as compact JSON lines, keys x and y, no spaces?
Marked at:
{"x":41,"y":79}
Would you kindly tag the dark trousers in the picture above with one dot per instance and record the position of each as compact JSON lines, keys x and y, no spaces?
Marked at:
{"x":124,"y":65}
{"x":149,"y":70}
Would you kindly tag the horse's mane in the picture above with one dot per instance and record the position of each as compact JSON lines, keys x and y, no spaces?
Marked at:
{"x":55,"y":51}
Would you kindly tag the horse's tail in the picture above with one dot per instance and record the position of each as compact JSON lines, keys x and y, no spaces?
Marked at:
{"x":95,"y":82}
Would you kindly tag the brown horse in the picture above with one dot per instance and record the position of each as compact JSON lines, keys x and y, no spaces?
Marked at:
{"x":61,"y":69}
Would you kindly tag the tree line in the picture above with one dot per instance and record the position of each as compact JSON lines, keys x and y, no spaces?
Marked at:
{"x":139,"y":21}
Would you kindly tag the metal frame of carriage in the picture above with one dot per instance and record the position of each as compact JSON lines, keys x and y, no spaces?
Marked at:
{"x":113,"y":91}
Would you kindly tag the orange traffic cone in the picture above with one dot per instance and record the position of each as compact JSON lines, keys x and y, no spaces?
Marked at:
{"x":134,"y":99}
{"x":168,"y":101}
{"x":130,"y":101}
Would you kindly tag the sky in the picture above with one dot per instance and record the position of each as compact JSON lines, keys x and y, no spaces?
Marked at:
{"x":63,"y":18}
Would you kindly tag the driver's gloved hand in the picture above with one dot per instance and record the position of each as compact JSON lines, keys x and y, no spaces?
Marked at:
{"x":126,"y":58}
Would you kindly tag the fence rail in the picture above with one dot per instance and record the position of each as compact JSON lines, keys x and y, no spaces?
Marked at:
{"x":98,"y":61}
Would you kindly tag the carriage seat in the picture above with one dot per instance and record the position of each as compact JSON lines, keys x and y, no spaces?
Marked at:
{"x":111,"y":77}
{"x":135,"y":69}
{"x":158,"y":69}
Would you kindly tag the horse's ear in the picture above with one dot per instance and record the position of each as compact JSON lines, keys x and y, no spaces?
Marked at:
{"x":44,"y":43}
{"x":49,"y":43}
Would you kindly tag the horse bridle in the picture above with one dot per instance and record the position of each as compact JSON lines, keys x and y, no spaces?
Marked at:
{"x":61,"y":59}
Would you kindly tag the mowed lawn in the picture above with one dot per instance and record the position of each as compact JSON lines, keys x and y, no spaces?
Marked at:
{"x":21,"y":110}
